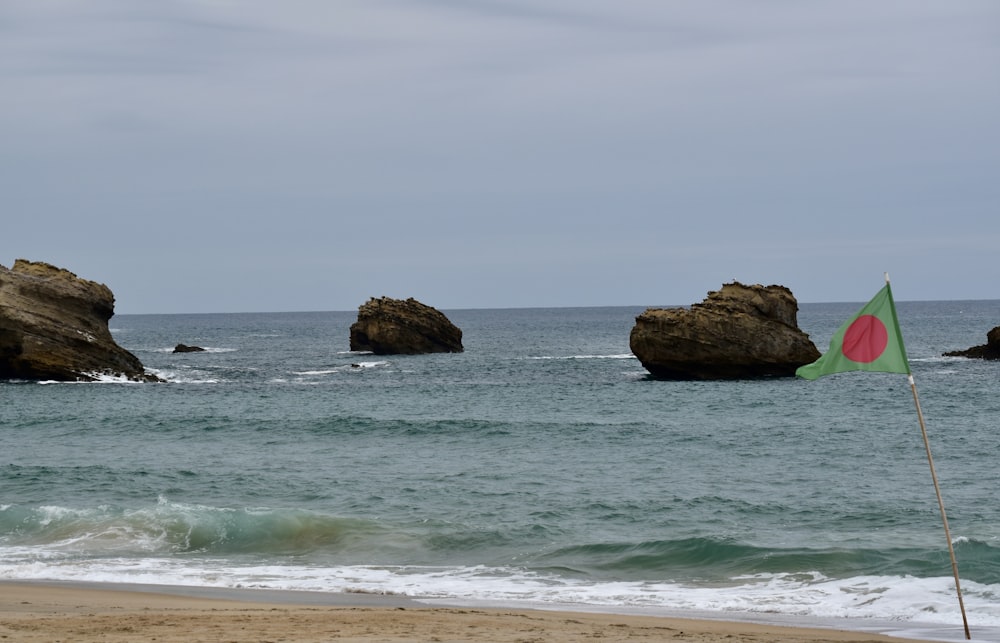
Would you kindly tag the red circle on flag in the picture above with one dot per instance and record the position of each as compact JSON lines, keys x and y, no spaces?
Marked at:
{"x":865,"y":339}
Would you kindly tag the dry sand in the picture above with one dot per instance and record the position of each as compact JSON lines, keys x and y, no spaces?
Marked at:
{"x":66,"y":613}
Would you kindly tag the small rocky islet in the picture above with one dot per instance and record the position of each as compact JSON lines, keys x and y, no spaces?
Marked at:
{"x":737,"y":332}
{"x":387,"y":326}
{"x":990,"y":350}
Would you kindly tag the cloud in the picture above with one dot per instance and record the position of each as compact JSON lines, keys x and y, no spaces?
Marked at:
{"x":398,"y":141}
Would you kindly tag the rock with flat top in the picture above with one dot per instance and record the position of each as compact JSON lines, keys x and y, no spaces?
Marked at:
{"x":54,"y":326}
{"x":737,"y":332}
{"x":184,"y":348}
{"x":388,"y":326}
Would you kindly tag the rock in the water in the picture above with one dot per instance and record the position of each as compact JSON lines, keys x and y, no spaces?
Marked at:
{"x":54,"y":326}
{"x":184,"y":348}
{"x":738,"y":332}
{"x":989,"y":350}
{"x":388,"y":326}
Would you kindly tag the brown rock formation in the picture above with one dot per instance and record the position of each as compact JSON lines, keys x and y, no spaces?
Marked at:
{"x":184,"y":348}
{"x":54,"y":326}
{"x":989,"y":350}
{"x":738,"y":332}
{"x":393,"y":326}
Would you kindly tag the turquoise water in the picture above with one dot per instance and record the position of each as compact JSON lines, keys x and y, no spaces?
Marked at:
{"x":540,"y":466}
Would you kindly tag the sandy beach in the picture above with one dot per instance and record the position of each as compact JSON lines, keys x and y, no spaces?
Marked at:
{"x":64,"y":613}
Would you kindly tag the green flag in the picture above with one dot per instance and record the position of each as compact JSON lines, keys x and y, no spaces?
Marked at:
{"x":869,"y":341}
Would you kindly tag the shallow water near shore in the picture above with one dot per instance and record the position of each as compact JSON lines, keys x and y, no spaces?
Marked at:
{"x":542,"y":465}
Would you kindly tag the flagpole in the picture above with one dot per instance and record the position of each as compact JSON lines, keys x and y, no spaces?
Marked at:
{"x":944,"y":516}
{"x":930,"y":461}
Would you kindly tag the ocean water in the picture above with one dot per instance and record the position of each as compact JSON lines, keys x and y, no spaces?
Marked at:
{"x":541,"y":467}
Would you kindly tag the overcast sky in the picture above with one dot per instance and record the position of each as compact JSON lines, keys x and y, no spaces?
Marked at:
{"x":250,"y":155}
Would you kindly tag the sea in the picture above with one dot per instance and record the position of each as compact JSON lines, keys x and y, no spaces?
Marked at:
{"x":542,"y":467}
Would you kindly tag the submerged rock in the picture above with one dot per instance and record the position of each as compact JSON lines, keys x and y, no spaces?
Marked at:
{"x":739,"y":331}
{"x":989,"y":350}
{"x":403,"y":327}
{"x":54,"y":326}
{"x":184,"y":348}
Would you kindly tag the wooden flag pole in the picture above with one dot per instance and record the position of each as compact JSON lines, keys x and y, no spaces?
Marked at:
{"x":944,"y":517}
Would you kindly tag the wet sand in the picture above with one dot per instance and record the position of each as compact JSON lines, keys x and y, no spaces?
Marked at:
{"x":78,"y":613}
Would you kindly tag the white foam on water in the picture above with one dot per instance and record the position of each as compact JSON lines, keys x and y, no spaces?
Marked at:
{"x":566,"y":357}
{"x":205,"y":349}
{"x":902,"y":600}
{"x":344,"y":368}
{"x":179,"y":377}
{"x":98,"y":378}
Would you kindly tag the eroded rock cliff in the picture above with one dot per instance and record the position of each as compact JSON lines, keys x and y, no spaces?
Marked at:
{"x":54,"y":326}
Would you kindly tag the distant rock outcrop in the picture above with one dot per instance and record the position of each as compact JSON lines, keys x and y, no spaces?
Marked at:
{"x":403,"y":327}
{"x":989,"y":350}
{"x":184,"y":348}
{"x":54,"y":326}
{"x":738,"y":332}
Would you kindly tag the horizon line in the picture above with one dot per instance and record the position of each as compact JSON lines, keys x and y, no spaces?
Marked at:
{"x":471,"y":308}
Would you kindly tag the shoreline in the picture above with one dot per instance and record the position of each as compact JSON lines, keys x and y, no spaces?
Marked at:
{"x":33,"y":611}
